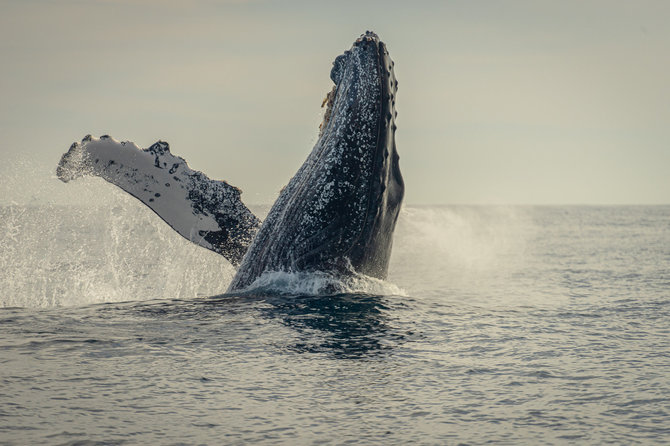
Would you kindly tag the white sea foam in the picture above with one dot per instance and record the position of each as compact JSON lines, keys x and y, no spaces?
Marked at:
{"x":321,"y":283}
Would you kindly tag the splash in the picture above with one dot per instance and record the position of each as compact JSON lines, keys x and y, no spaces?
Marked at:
{"x":88,"y":243}
{"x":105,"y":248}
{"x":65,"y":255}
{"x":317,"y":283}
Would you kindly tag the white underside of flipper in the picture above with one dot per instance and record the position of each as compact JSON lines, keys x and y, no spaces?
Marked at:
{"x":207,"y":212}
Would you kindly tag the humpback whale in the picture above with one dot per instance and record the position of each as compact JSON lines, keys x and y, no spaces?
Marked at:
{"x":338,"y":212}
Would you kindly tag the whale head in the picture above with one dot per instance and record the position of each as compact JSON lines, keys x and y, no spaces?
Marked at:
{"x":340,"y":209}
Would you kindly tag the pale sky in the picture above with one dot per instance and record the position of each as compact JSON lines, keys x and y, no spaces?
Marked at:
{"x":499,"y":102}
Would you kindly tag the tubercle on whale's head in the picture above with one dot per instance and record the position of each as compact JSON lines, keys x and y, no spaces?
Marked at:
{"x":366,"y":50}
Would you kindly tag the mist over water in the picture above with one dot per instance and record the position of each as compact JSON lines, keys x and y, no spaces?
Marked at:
{"x":505,"y":325}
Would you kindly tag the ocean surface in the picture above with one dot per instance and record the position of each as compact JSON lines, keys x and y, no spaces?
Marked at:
{"x":497,"y":325}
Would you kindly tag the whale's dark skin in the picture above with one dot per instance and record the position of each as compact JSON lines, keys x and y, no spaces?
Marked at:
{"x":337,"y":214}
{"x":339,"y":211}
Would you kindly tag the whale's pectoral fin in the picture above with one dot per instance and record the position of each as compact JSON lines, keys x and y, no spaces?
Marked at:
{"x":206,"y":212}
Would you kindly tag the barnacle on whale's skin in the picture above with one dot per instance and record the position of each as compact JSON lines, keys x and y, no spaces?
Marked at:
{"x":328,"y":102}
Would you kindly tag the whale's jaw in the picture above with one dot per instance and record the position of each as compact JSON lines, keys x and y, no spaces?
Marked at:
{"x":339,"y":211}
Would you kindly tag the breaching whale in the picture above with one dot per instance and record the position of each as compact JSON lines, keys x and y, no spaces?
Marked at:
{"x":338,"y":212}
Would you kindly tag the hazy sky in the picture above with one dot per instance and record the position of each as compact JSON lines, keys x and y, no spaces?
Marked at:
{"x":510,"y":102}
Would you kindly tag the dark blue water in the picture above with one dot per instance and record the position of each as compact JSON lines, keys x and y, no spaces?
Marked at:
{"x":504,"y":325}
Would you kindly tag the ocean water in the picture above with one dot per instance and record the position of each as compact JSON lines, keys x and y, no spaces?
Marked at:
{"x":502,"y":325}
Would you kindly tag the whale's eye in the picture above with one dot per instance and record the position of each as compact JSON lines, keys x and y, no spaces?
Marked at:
{"x":338,"y":68}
